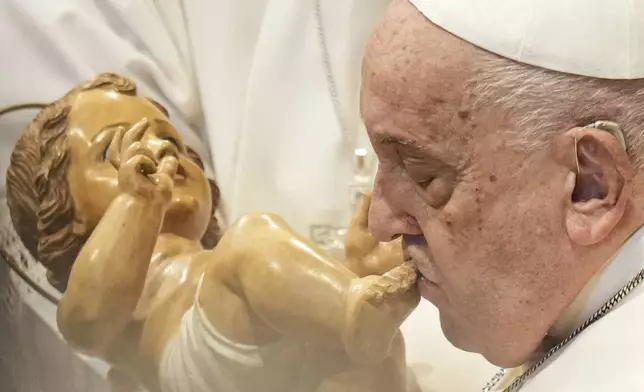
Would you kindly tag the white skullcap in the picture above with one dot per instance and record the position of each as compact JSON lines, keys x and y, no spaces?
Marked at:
{"x":598,"y":38}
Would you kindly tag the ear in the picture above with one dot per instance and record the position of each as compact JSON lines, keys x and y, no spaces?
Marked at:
{"x":599,"y":184}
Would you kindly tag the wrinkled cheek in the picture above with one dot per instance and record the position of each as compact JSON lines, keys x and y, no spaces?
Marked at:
{"x":462,"y":217}
{"x":480,"y":237}
{"x":453,"y":230}
{"x":459,"y":237}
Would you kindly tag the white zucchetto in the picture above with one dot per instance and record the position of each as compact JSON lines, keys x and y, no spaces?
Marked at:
{"x":597,"y":38}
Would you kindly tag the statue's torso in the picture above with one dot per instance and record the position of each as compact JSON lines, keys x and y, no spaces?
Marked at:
{"x":237,"y":346}
{"x":219,"y":361}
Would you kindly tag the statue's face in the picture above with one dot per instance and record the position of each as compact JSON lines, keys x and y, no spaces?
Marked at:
{"x":94,"y":118}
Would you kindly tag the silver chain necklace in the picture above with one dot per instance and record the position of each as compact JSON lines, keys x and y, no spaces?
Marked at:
{"x":604,"y":310}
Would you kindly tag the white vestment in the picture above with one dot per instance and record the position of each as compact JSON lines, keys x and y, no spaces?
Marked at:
{"x":609,"y":355}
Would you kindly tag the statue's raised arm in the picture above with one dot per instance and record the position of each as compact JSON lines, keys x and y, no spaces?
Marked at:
{"x":264,"y":311}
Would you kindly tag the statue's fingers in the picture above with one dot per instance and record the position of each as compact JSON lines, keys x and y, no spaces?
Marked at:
{"x":114,"y":149}
{"x":143,"y":164}
{"x":168,"y":150}
{"x":168,"y":166}
{"x":361,"y":217}
{"x":359,"y":241}
{"x":135,"y":133}
{"x":164,"y":177}
{"x":135,"y":175}
{"x":136,"y":149}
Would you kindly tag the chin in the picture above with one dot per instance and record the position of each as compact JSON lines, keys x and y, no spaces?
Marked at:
{"x":506,"y":353}
{"x":456,"y":335}
{"x":465,"y":337}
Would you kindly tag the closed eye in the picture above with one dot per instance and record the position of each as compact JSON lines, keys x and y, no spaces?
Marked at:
{"x":426,"y":183}
{"x":106,"y":150}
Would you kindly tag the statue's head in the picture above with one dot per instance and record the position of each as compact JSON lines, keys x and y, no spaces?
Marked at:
{"x":60,"y":182}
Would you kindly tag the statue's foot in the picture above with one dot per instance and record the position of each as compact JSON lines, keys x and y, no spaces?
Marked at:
{"x":376,"y":307}
{"x":394,"y":284}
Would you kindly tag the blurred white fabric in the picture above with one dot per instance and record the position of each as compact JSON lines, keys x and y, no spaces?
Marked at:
{"x":274,"y":136}
{"x":48,"y":47}
{"x":242,"y":79}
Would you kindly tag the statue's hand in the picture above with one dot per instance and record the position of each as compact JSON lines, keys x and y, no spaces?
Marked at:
{"x":141,"y":172}
{"x":364,"y":254}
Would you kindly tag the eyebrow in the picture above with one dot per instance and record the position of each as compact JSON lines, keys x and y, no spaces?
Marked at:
{"x":159,"y":106}
{"x":416,"y":150}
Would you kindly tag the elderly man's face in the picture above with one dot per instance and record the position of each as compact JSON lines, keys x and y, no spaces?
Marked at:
{"x":483,"y":221}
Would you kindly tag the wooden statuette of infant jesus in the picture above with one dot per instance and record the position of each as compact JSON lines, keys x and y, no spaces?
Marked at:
{"x":264,"y":311}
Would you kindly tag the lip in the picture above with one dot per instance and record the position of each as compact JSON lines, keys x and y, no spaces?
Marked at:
{"x":424,"y":269}
{"x":416,"y":251}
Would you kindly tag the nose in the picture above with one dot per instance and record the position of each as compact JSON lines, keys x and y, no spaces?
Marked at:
{"x":386,"y":223}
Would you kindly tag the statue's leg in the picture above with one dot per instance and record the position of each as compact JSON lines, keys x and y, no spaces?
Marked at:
{"x":298,"y":291}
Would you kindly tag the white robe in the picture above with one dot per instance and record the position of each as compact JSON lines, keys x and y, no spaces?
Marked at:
{"x":609,"y":355}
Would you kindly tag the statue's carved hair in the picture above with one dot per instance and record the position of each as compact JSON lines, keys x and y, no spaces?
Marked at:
{"x":38,"y":193}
